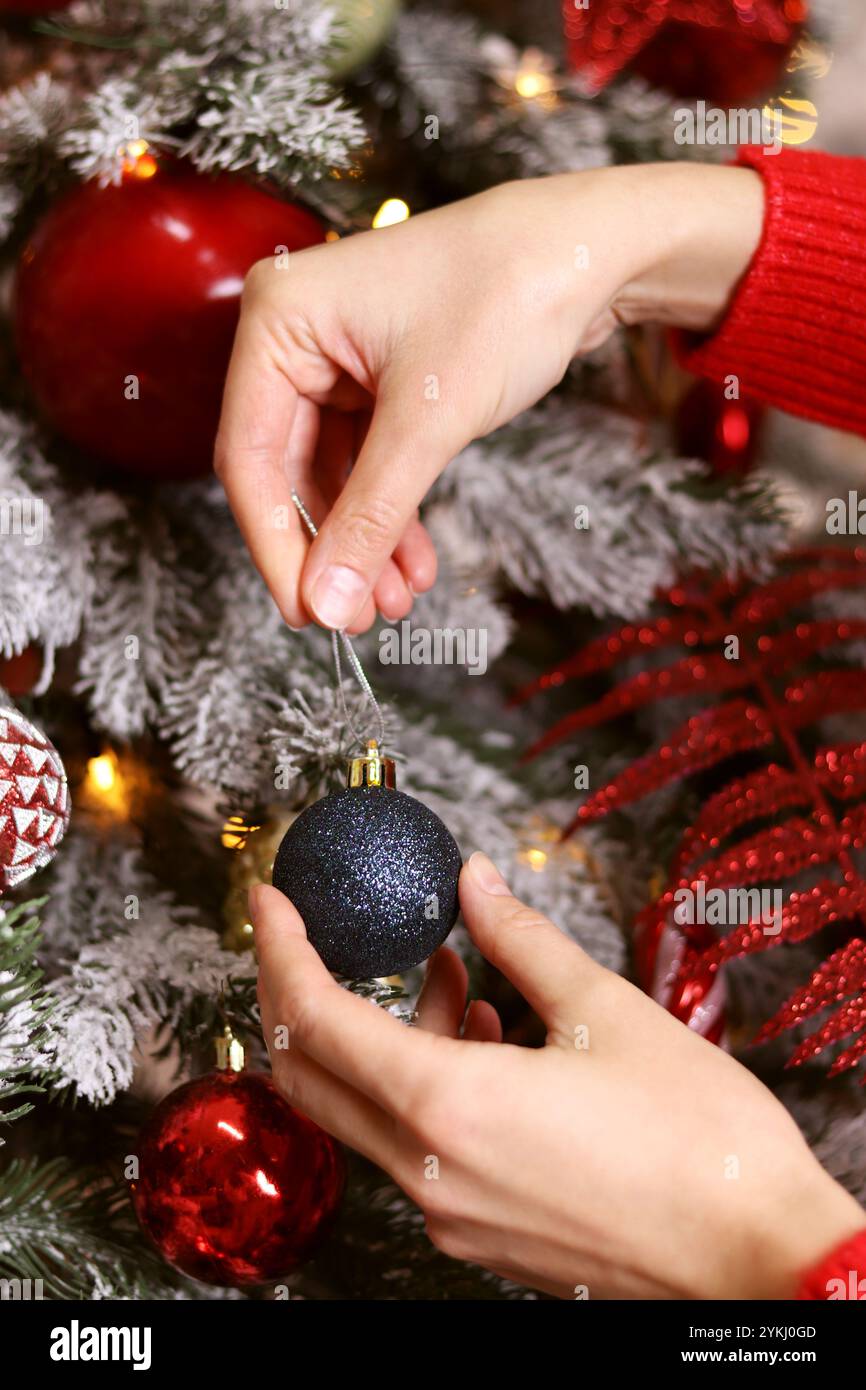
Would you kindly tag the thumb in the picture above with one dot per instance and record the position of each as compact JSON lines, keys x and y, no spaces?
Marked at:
{"x":400,"y":459}
{"x":549,"y":970}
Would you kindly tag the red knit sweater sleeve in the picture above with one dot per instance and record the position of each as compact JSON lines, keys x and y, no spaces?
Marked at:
{"x":795,"y":332}
{"x":841,"y":1275}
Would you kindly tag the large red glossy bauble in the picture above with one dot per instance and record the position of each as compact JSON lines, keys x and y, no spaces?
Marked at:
{"x":143,"y":280}
{"x":234,"y":1184}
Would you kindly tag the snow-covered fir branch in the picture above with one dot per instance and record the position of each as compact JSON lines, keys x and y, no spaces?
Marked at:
{"x":572,"y":503}
{"x":24,"y":1008}
{"x":47,"y":577}
{"x":465,"y":77}
{"x":33,"y":117}
{"x":282,"y":123}
{"x":144,"y":976}
{"x":238,"y":84}
{"x":112,"y":118}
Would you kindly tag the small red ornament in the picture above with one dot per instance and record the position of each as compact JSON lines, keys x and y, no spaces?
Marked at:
{"x":126,"y":304}
{"x":723,"y":432}
{"x":34,"y":803}
{"x":19,"y":674}
{"x":722,"y":50}
{"x":234,"y":1184}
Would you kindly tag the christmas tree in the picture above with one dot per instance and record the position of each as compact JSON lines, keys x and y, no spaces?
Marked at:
{"x":152,"y":151}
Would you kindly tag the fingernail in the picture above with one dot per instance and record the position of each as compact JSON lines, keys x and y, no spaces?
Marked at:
{"x":337,"y":595}
{"x":487,"y":876}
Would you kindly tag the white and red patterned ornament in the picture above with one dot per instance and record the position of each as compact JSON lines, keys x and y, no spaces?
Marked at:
{"x":34,"y":800}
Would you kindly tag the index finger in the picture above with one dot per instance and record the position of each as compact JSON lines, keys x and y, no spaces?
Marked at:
{"x":350,"y":1036}
{"x":259,"y":409}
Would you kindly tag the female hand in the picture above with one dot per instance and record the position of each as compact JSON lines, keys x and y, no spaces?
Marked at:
{"x":396,"y":348}
{"x":627,"y":1158}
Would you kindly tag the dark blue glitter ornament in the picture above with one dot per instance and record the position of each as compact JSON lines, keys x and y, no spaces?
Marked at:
{"x":372,"y":872}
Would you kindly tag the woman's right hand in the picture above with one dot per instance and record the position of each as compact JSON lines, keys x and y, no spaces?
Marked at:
{"x":393,"y":349}
{"x":626,"y":1158}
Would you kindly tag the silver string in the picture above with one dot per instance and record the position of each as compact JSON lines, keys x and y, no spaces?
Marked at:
{"x":341,"y":638}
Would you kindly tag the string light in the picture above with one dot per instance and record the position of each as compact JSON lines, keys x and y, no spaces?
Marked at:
{"x":532,"y":77}
{"x":102,"y":772}
{"x":392,"y":211}
{"x":135,"y":159}
{"x":105,"y":785}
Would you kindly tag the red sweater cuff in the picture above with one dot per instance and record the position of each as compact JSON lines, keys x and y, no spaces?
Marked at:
{"x":841,"y":1275}
{"x":795,"y":332}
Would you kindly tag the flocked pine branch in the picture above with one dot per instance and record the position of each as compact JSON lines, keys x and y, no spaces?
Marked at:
{"x":238,"y":84}
{"x":451,"y":68}
{"x":71,"y":1233}
{"x":144,"y":964}
{"x":47,"y":576}
{"x":24,"y":1007}
{"x":33,"y":117}
{"x":572,"y":503}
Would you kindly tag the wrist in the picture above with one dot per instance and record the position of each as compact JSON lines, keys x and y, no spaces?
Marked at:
{"x":790,"y":1230}
{"x":700,"y":226}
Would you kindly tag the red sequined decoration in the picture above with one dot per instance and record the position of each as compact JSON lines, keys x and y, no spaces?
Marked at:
{"x":234,"y":1185}
{"x":801,"y":812}
{"x":722,"y":50}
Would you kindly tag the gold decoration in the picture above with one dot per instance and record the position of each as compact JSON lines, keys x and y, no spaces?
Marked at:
{"x":254,"y":849}
{"x":810,"y":58}
{"x":229,"y":1051}
{"x":795,"y":119}
{"x":371,"y":768}
{"x":237,"y":831}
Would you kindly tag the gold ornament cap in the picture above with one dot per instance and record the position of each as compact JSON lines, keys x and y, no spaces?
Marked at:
{"x":371,"y":768}
{"x":229,"y":1051}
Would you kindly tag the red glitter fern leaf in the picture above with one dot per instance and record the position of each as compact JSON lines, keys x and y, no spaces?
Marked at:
{"x":800,"y":813}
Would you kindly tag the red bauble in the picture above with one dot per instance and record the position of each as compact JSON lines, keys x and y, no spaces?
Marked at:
{"x":19,"y":674}
{"x":34,"y":804}
{"x":722,"y":50}
{"x":143,"y":280}
{"x":234,"y":1184}
{"x":725,"y":433}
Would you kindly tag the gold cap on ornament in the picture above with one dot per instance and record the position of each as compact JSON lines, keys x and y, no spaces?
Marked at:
{"x":229,"y":1051}
{"x":371,"y":768}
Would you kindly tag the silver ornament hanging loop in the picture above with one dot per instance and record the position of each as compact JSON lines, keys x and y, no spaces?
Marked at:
{"x":339,"y":639}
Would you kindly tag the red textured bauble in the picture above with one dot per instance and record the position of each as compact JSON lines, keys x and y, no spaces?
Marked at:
{"x":234,"y":1184}
{"x":725,"y":51}
{"x":34,"y":802}
{"x":133,"y":291}
{"x":724,"y":432}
